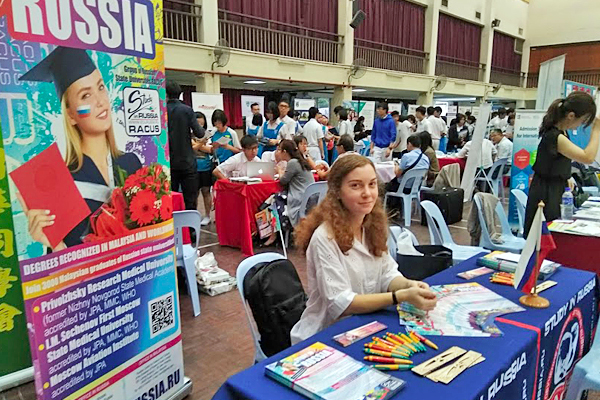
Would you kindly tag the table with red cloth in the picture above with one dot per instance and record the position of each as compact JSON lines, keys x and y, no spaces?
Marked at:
{"x":179,"y":205}
{"x":443,"y":161}
{"x":235,"y":207}
{"x":576,"y":251}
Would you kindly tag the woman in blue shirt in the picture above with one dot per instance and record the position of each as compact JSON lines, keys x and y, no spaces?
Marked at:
{"x":268,"y":134}
{"x":224,"y":140}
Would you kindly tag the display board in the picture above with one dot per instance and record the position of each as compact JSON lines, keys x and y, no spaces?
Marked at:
{"x":302,"y":106}
{"x":323,"y":106}
{"x":84,"y":124}
{"x":395,"y":107}
{"x":474,"y":156}
{"x":525,"y":144}
{"x":364,"y":109}
{"x":207,"y":103}
{"x":550,"y":82}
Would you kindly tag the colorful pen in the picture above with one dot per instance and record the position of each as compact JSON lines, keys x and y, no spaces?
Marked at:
{"x":426,"y":341}
{"x":382,"y":348}
{"x":392,"y":367}
{"x":388,"y":360}
{"x":383,"y":353}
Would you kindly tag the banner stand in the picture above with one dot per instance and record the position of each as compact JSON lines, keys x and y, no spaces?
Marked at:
{"x":185,"y":390}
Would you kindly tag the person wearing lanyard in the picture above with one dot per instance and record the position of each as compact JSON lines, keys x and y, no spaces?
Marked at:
{"x":383,"y":135}
{"x":269,"y":134}
{"x":552,"y":167}
{"x":224,"y":140}
{"x":96,"y":164}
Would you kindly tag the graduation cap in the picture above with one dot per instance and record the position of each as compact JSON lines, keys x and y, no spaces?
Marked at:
{"x":63,"y":66}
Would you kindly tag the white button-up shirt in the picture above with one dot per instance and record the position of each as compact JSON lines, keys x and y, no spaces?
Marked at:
{"x":488,"y":152}
{"x":425,"y":126}
{"x":313,"y":132}
{"x":288,"y":130}
{"x":238,"y":162}
{"x":505,"y":149}
{"x":499,"y":123}
{"x":335,"y":278}
{"x":345,"y":128}
{"x":436,"y":128}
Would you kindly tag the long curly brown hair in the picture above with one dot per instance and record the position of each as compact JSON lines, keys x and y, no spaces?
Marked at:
{"x":332,"y":212}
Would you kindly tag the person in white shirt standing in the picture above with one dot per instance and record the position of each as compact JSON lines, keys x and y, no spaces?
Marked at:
{"x":344,"y":126}
{"x":402,"y":133}
{"x":289,"y":125}
{"x":442,"y":124}
{"x":500,"y":121}
{"x":239,"y":162}
{"x":504,"y":147}
{"x":423,"y":124}
{"x":436,"y":129}
{"x":313,"y":131}
{"x":350,"y":270}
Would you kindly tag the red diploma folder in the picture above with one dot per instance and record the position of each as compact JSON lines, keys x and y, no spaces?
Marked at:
{"x":45,"y":183}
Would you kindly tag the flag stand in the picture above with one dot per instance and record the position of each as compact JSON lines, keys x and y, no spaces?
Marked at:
{"x":533,"y":300}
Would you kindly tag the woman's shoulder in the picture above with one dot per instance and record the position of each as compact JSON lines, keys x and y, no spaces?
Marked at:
{"x":321,"y":235}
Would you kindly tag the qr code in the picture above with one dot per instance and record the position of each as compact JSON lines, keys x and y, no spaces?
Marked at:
{"x":162,"y":314}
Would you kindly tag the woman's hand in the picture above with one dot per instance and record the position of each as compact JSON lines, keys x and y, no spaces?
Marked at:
{"x":417,"y":284}
{"x":37,"y":221}
{"x":273,"y":142}
{"x":422,"y":298}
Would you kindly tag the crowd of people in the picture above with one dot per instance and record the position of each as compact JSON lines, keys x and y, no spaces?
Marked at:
{"x":275,"y":135}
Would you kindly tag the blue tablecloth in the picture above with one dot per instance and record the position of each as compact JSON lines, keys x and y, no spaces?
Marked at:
{"x":536,"y":343}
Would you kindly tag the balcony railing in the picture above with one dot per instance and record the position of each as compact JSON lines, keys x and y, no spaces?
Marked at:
{"x":182,"y":20}
{"x":591,"y":78}
{"x":457,"y":68}
{"x":383,"y":56}
{"x":506,"y":77}
{"x":272,"y":37}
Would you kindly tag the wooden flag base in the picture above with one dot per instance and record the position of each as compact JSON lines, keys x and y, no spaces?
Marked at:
{"x":534,"y":301}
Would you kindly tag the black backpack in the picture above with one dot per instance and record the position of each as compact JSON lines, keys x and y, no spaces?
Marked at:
{"x":276,"y":297}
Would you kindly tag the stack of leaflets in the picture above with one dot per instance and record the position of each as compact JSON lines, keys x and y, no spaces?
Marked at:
{"x":466,"y":309}
{"x":579,"y":227}
{"x":214,"y":280}
{"x":246,"y":179}
{"x":320,"y":372}
{"x":507,"y":262}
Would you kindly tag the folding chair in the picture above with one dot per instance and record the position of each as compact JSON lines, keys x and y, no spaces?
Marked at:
{"x":416,"y":176}
{"x":242,"y":270}
{"x":185,"y":254}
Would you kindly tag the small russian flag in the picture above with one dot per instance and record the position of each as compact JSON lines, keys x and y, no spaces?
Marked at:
{"x":539,"y":243}
{"x":84,"y":111}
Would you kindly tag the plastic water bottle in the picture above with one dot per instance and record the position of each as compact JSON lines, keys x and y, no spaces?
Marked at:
{"x":566,"y":208}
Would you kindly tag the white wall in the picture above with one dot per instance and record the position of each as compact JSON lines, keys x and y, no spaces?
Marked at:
{"x":465,"y":9}
{"x":512,"y":15}
{"x":563,"y":21}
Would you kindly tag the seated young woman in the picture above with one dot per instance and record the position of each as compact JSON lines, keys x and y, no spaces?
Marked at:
{"x":350,"y":270}
{"x":294,"y":179}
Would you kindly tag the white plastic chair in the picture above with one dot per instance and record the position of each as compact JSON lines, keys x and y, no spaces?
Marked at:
{"x":586,"y":374}
{"x":439,"y":234}
{"x":417,"y":176}
{"x":392,"y":243}
{"x":319,"y":188}
{"x":242,"y":270}
{"x":185,"y":254}
{"x":521,"y":201}
{"x":510,"y":242}
{"x":497,"y":170}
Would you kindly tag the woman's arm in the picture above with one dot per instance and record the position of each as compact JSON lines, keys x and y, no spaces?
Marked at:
{"x":290,"y":171}
{"x":421,"y":298}
{"x":574,"y":152}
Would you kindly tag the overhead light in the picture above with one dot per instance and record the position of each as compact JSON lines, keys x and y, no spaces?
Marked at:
{"x":358,"y":90}
{"x":255,"y":82}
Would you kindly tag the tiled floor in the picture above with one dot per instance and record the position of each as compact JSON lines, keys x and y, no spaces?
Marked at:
{"x":217,"y":344}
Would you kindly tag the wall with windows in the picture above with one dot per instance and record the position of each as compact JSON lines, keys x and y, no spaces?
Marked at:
{"x":513,"y":15}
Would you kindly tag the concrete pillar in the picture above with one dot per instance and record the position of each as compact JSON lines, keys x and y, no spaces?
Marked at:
{"x":432,"y":19}
{"x":340,"y":94}
{"x":487,"y":41}
{"x":208,"y":83}
{"x":525,"y":61}
{"x":425,"y":99}
{"x":346,"y":51}
{"x":209,"y":25}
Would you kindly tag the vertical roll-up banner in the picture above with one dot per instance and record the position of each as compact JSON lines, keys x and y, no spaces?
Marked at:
{"x":84,"y":124}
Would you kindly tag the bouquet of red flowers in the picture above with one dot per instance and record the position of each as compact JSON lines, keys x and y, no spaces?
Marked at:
{"x":144,"y":199}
